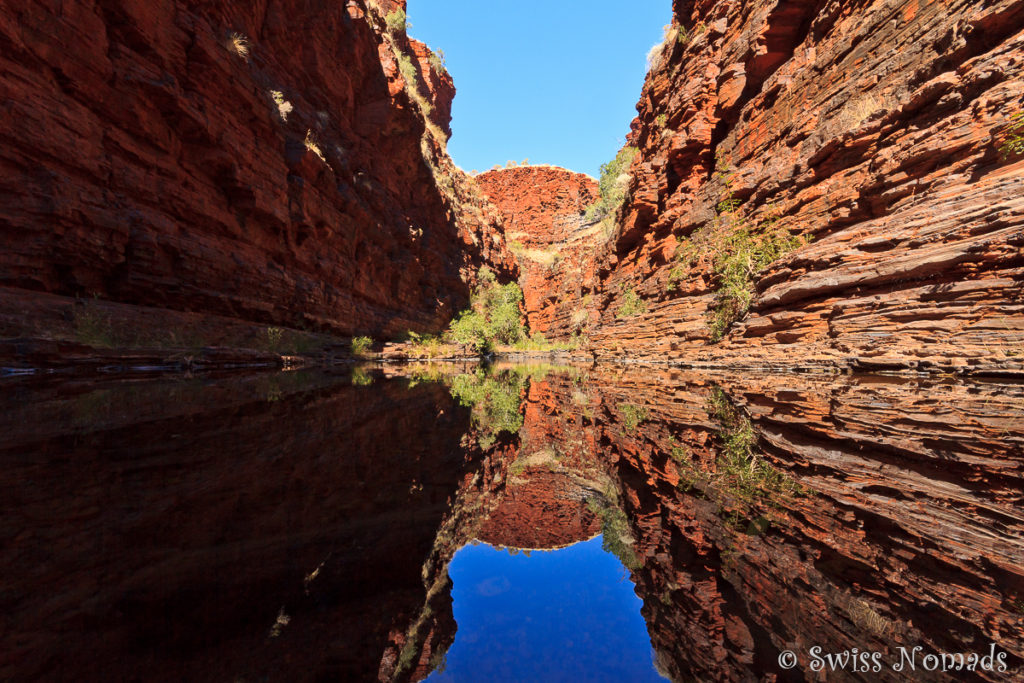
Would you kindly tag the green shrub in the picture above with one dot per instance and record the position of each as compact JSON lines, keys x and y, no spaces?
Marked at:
{"x":612,"y":185}
{"x":361,"y":346}
{"x":632,"y":416}
{"x":631,"y":304}
{"x":1014,"y":144}
{"x":437,"y":61}
{"x":396,"y":21}
{"x":274,"y":335}
{"x":493,"y":317}
{"x":740,"y":251}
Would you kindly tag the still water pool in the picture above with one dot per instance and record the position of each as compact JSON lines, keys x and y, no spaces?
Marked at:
{"x":509,"y":523}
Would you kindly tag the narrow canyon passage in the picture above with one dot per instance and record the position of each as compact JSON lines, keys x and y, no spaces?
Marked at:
{"x":301,"y":380}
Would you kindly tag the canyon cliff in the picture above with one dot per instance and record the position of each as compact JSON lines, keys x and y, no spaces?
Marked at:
{"x":542,"y":208}
{"x":280,"y":162}
{"x":815,"y":183}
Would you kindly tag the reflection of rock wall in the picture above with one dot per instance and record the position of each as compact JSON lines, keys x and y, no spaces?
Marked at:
{"x":910,"y":532}
{"x":158,"y":530}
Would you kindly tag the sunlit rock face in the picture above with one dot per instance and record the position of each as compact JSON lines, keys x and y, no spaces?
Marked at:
{"x":543,"y":210}
{"x":874,"y":130}
{"x":264,"y":162}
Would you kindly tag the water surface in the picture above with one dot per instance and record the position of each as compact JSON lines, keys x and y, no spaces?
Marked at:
{"x":343,"y":526}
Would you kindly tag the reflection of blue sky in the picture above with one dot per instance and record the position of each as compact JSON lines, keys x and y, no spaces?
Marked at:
{"x":563,"y":615}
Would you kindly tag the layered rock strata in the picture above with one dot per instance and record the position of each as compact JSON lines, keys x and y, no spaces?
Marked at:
{"x":555,"y":248}
{"x":873,"y":133}
{"x":268,"y":163}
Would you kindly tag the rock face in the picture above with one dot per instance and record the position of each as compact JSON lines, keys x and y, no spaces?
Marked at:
{"x":542,"y":208}
{"x":264,"y":162}
{"x":871,"y":131}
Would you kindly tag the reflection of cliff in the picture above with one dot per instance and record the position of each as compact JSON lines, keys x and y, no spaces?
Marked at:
{"x":880,"y":512}
{"x":782,"y":512}
{"x":218,"y":530}
{"x":296,"y":524}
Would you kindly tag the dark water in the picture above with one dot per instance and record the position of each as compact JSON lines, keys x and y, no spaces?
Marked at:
{"x":516,"y":523}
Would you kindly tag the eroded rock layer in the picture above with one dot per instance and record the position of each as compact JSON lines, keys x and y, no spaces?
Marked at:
{"x":542,"y":208}
{"x":262,"y":161}
{"x":870,"y":130}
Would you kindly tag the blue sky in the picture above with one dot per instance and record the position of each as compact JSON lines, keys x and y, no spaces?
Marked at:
{"x":554,"y":81}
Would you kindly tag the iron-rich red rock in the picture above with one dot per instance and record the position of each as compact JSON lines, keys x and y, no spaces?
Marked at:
{"x":263,"y":162}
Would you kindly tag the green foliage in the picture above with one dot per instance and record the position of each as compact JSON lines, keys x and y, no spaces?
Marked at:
{"x":632,"y":416}
{"x":437,"y":61}
{"x":92,"y":327}
{"x":630,"y":304}
{"x":361,"y":377}
{"x":493,"y":317}
{"x":612,"y":185}
{"x":742,"y":472}
{"x":615,"y":534}
{"x":396,"y":21}
{"x":494,"y":400}
{"x":274,"y":335}
{"x":1014,"y":143}
{"x":661,"y":120}
{"x":361,"y":346}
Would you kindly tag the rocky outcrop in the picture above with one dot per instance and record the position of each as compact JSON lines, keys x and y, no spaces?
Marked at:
{"x":868,"y":136}
{"x":554,"y":247}
{"x":266,"y":163}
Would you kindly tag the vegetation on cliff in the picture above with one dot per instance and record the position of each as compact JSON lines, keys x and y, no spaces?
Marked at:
{"x":739,"y":249}
{"x":612,"y":184}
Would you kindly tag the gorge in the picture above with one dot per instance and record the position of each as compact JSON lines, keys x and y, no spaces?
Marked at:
{"x":772,"y":357}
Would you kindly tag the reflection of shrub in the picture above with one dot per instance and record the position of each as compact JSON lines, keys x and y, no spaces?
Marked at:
{"x":742,"y":472}
{"x":615,"y":534}
{"x":239,"y":44}
{"x":494,"y":401}
{"x":361,"y":377}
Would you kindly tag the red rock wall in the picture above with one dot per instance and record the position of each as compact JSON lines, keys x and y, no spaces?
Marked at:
{"x":871,"y":127}
{"x":144,"y":159}
{"x":542,"y":208}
